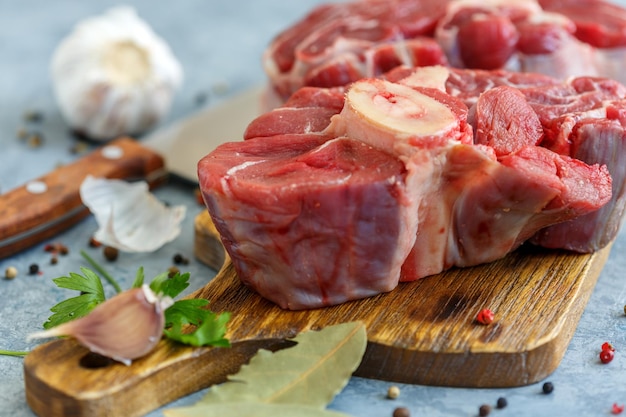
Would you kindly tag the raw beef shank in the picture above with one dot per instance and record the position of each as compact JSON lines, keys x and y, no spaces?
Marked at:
{"x":309,"y":220}
{"x":338,"y":43}
{"x":398,"y":178}
{"x":341,"y":42}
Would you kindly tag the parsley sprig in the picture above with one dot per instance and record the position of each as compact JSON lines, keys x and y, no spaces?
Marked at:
{"x":92,"y":294}
{"x":187,"y":321}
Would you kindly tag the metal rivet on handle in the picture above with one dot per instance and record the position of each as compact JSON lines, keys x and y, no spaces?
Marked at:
{"x":36,"y":187}
{"x":112,"y":152}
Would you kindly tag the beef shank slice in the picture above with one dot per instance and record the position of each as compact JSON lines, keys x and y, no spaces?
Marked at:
{"x":310,"y":221}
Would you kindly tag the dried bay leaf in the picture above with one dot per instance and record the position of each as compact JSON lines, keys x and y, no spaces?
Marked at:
{"x":306,"y":376}
{"x":311,"y":372}
{"x":251,"y":410}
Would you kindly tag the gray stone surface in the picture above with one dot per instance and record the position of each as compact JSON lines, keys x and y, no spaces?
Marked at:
{"x":219,"y":43}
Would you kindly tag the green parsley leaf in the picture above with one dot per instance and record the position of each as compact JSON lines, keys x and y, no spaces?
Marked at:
{"x":139,"y":278}
{"x":210,"y":327}
{"x":92,"y":291}
{"x":89,"y":282}
{"x":163,"y":285}
{"x":189,"y":311}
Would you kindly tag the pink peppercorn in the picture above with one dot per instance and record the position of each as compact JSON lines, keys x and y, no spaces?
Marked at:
{"x":606,"y":356}
{"x":608,"y":346}
{"x":485,"y":316}
{"x":607,"y":353}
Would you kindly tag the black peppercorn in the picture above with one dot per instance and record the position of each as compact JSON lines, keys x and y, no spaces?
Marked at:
{"x":33,"y":269}
{"x":180,"y":259}
{"x":502,"y":402}
{"x":548,"y":388}
{"x":33,"y":116}
{"x":401,"y":412}
{"x":110,"y":253}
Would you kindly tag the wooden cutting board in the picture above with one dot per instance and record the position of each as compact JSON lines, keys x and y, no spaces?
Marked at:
{"x":423,"y":332}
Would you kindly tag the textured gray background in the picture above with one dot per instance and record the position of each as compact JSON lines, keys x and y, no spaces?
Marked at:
{"x":219,"y":43}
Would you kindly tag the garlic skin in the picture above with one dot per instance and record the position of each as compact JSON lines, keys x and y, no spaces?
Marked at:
{"x":114,"y":76}
{"x":130,"y":218}
{"x":124,"y":327}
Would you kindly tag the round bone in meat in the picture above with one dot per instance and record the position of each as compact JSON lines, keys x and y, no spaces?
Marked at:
{"x":394,"y":116}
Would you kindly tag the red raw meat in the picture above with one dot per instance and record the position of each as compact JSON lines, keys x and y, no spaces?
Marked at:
{"x":339,"y":43}
{"x":480,"y":202}
{"x":308,"y":110}
{"x":311,"y":221}
{"x":480,"y":209}
{"x":349,"y":67}
{"x":598,"y":23}
{"x":536,"y":38}
{"x":392,"y":186}
{"x":494,"y":126}
{"x":487,"y":43}
{"x":561,"y":106}
{"x":603,"y":142}
{"x":574,"y":116}
{"x":514,"y":35}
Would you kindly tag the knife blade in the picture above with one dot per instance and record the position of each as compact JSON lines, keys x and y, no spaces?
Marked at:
{"x":50,"y":204}
{"x":186,"y":141}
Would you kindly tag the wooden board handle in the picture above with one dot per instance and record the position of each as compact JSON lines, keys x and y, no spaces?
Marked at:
{"x":50,"y":204}
{"x":63,"y":379}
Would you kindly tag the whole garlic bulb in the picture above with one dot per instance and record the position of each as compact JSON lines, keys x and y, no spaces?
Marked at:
{"x":114,"y":76}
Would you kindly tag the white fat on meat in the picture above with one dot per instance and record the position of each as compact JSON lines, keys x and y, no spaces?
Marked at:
{"x":611,"y":63}
{"x":560,"y":63}
{"x":232,"y":171}
{"x":434,"y":76}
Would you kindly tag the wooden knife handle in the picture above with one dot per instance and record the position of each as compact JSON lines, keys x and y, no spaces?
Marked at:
{"x":50,"y":204}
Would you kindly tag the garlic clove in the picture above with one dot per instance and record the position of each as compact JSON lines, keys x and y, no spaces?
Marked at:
{"x":114,"y":76}
{"x":123,"y":328}
{"x":129,"y":217}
